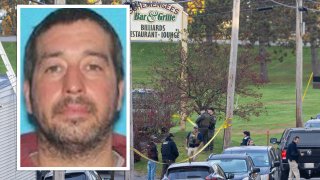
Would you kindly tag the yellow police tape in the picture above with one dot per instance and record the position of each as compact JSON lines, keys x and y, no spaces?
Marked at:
{"x":223,"y":126}
{"x":305,"y":91}
{"x":188,"y":119}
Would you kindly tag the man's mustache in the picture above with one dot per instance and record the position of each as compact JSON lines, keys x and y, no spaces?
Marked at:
{"x":60,"y":106}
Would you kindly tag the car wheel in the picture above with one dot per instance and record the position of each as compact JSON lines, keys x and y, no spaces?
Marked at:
{"x":284,"y":175}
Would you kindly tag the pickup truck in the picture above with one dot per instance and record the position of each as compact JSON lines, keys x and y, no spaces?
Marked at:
{"x":309,"y":148}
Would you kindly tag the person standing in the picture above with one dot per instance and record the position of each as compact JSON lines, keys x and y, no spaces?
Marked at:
{"x":211,"y":128}
{"x":169,"y":153}
{"x":203,"y":123}
{"x":194,"y":140}
{"x":153,"y":156}
{"x":246,"y":138}
{"x":293,"y":155}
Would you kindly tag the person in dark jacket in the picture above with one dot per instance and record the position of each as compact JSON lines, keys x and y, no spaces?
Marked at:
{"x":153,"y":156}
{"x":292,"y":156}
{"x":211,"y":127}
{"x":169,"y":153}
{"x":246,"y":138}
{"x":203,"y":123}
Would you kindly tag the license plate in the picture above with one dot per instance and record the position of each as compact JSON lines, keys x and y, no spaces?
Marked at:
{"x":308,"y":165}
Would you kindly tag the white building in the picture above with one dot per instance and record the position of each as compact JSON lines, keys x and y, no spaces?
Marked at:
{"x":8,"y":132}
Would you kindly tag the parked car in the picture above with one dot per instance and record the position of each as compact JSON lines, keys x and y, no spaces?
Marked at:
{"x":76,"y":175}
{"x":312,"y":123}
{"x":241,"y":165}
{"x":263,"y":157}
{"x":308,"y":147}
{"x":196,"y":170}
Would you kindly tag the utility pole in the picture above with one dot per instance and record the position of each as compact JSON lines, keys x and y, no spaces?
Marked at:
{"x":59,"y":1}
{"x":299,"y":64}
{"x":232,"y":71}
{"x":58,"y":175}
{"x":183,"y":73}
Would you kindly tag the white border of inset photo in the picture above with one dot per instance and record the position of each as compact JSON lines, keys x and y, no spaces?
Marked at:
{"x":25,"y":26}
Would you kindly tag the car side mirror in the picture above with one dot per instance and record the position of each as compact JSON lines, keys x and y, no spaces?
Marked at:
{"x":256,"y":170}
{"x":229,"y":175}
{"x":276,"y":163}
{"x":274,"y":141}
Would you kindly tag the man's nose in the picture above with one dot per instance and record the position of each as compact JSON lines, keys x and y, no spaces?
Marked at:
{"x":73,"y":81}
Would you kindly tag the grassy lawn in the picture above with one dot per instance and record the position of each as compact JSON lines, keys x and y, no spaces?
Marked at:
{"x":278,"y":99}
{"x":11,"y":50}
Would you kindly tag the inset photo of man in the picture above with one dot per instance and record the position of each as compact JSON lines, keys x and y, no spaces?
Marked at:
{"x":73,"y":87}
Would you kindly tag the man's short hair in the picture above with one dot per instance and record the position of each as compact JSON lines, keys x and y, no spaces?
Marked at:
{"x":296,"y":137}
{"x":247,"y":133}
{"x":203,"y":108}
{"x":211,"y":108}
{"x":68,"y":16}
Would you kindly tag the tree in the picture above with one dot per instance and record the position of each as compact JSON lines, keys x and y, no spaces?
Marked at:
{"x":207,"y":72}
{"x":9,"y":23}
{"x":263,"y":23}
{"x":312,"y":21}
{"x":152,"y":114}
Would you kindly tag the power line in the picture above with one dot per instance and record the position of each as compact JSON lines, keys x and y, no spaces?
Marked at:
{"x":285,"y":5}
{"x":315,"y":2}
{"x":294,"y":7}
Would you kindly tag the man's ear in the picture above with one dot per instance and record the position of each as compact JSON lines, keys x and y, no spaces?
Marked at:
{"x":26,"y":92}
{"x":120,"y":94}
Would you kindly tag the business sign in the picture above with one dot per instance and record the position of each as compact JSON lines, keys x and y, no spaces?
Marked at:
{"x":156,"y":21}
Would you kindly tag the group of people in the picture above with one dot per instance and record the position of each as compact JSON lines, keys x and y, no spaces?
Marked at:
{"x":206,"y":123}
{"x":292,"y":154}
{"x":194,"y":140}
{"x":169,"y":153}
{"x":201,"y":134}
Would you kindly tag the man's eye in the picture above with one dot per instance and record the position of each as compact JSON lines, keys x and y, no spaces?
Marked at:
{"x":53,"y":69}
{"x":94,"y":67}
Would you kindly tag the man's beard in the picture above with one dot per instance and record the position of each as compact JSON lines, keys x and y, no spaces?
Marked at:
{"x":69,"y":136}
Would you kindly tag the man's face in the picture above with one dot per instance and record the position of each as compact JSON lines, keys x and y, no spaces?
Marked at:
{"x":195,"y":130}
{"x":74,"y":93}
{"x":297,"y":140}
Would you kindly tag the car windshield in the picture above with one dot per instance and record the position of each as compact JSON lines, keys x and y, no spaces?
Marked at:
{"x":191,"y":172}
{"x":260,"y":159}
{"x":312,"y":125}
{"x":72,"y":176}
{"x":307,"y":138}
{"x":232,"y":165}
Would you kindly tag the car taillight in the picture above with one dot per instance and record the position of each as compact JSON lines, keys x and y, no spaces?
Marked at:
{"x":211,"y":178}
{"x":284,"y":154}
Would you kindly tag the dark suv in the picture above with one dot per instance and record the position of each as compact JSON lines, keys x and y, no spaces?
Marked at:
{"x":309,"y":148}
{"x":263,"y":157}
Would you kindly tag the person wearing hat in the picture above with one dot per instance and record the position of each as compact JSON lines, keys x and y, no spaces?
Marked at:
{"x":246,"y":138}
{"x":169,"y":153}
{"x":194,"y":141}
